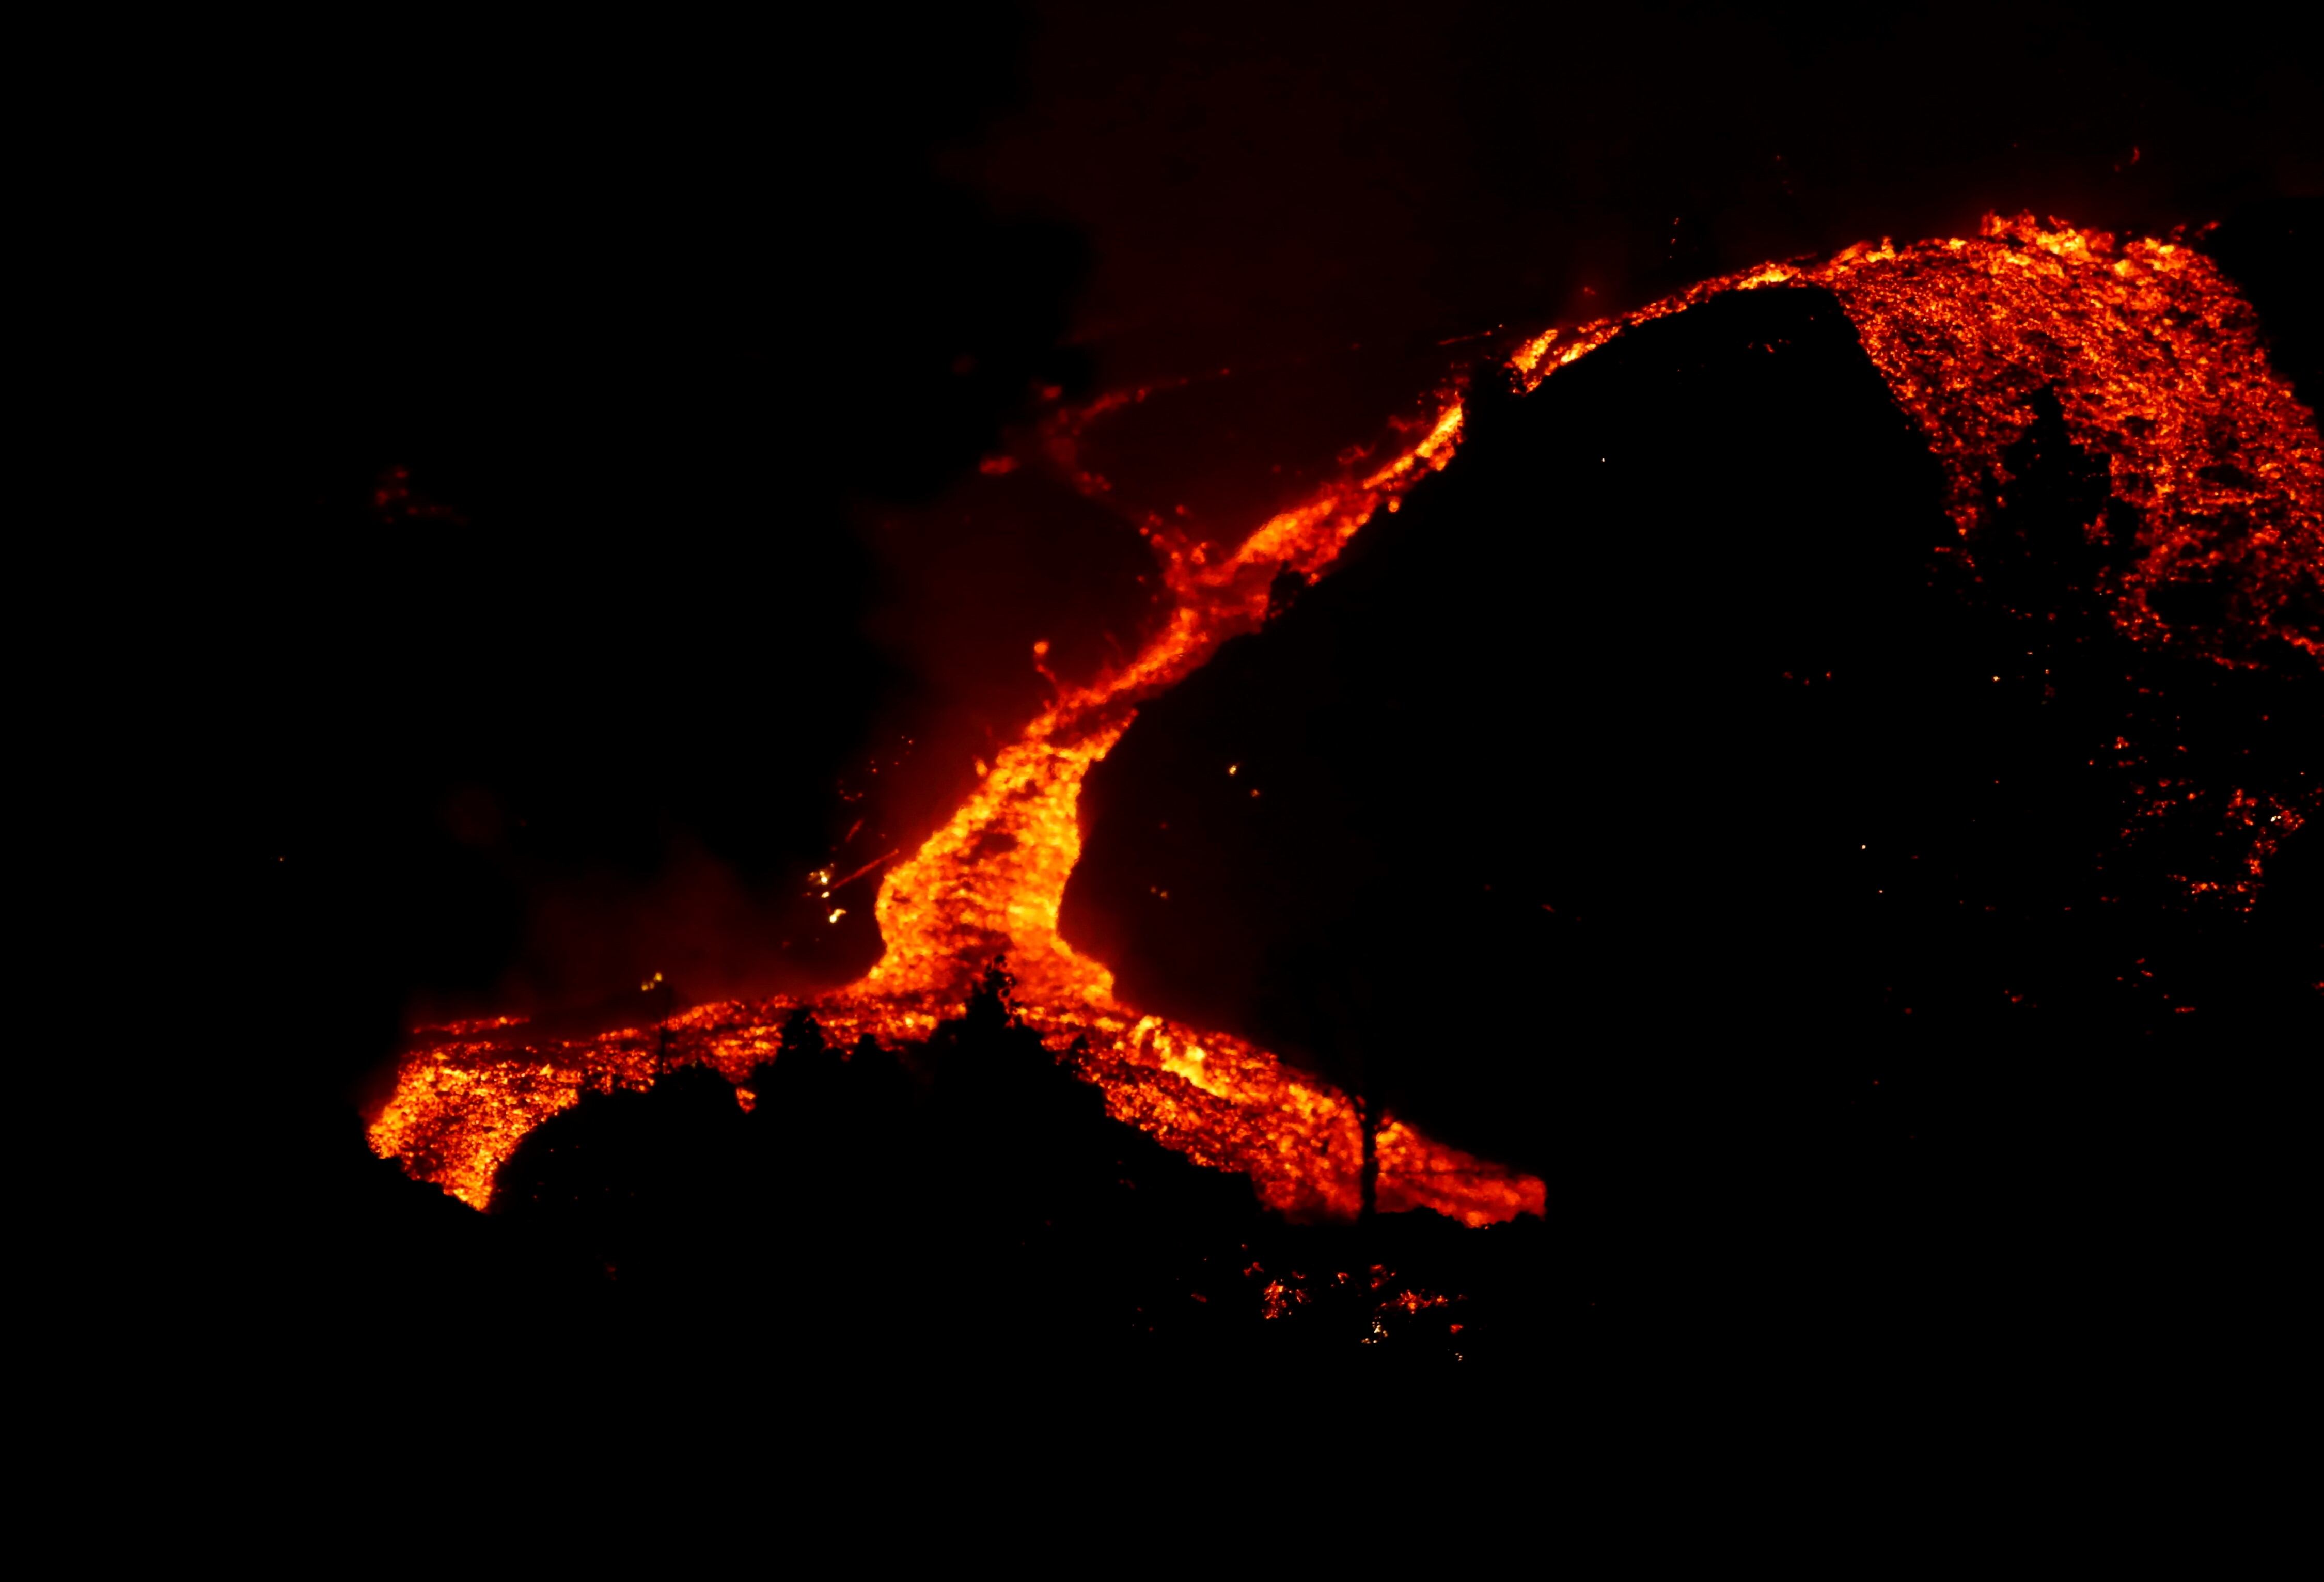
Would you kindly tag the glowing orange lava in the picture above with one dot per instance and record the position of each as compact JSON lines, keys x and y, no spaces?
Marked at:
{"x":2156,"y":361}
{"x":2157,"y":365}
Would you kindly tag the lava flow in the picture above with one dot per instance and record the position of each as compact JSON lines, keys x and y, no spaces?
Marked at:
{"x":2156,"y":364}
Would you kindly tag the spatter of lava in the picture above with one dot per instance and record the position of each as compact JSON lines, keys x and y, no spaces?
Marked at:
{"x":2156,"y":364}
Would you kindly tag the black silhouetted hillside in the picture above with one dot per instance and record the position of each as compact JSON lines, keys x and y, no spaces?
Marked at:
{"x":971,"y":1203}
{"x":2270,"y":249}
{"x":1661,"y":800}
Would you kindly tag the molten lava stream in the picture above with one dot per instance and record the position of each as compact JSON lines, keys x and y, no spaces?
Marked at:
{"x":989,"y":883}
{"x":2155,"y":362}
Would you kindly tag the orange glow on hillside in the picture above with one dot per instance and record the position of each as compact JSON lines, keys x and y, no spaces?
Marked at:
{"x":2157,"y":365}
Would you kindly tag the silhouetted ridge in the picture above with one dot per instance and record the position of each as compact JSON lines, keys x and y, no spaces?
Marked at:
{"x":1668,"y":800}
{"x":968,"y":1197}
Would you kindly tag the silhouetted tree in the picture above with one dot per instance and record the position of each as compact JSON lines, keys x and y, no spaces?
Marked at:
{"x":2055,"y":519}
{"x":1284,"y":591}
{"x":653,"y":1186}
{"x":803,"y":1074}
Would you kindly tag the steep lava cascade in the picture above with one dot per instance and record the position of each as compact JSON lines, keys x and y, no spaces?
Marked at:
{"x":2156,"y":364}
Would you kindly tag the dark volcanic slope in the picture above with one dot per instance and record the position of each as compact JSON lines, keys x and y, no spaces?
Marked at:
{"x":1653,"y":782}
{"x":1555,"y":680}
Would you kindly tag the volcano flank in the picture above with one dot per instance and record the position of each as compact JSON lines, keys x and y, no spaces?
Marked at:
{"x":1668,"y":792}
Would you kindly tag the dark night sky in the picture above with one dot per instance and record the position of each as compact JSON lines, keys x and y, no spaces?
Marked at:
{"x":1277,"y":177}
{"x":687,"y":338}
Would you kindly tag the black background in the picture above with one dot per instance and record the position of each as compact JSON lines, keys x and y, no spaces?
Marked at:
{"x":667,"y":328}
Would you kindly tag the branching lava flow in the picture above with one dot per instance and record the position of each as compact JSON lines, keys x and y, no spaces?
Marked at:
{"x":2156,"y":364}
